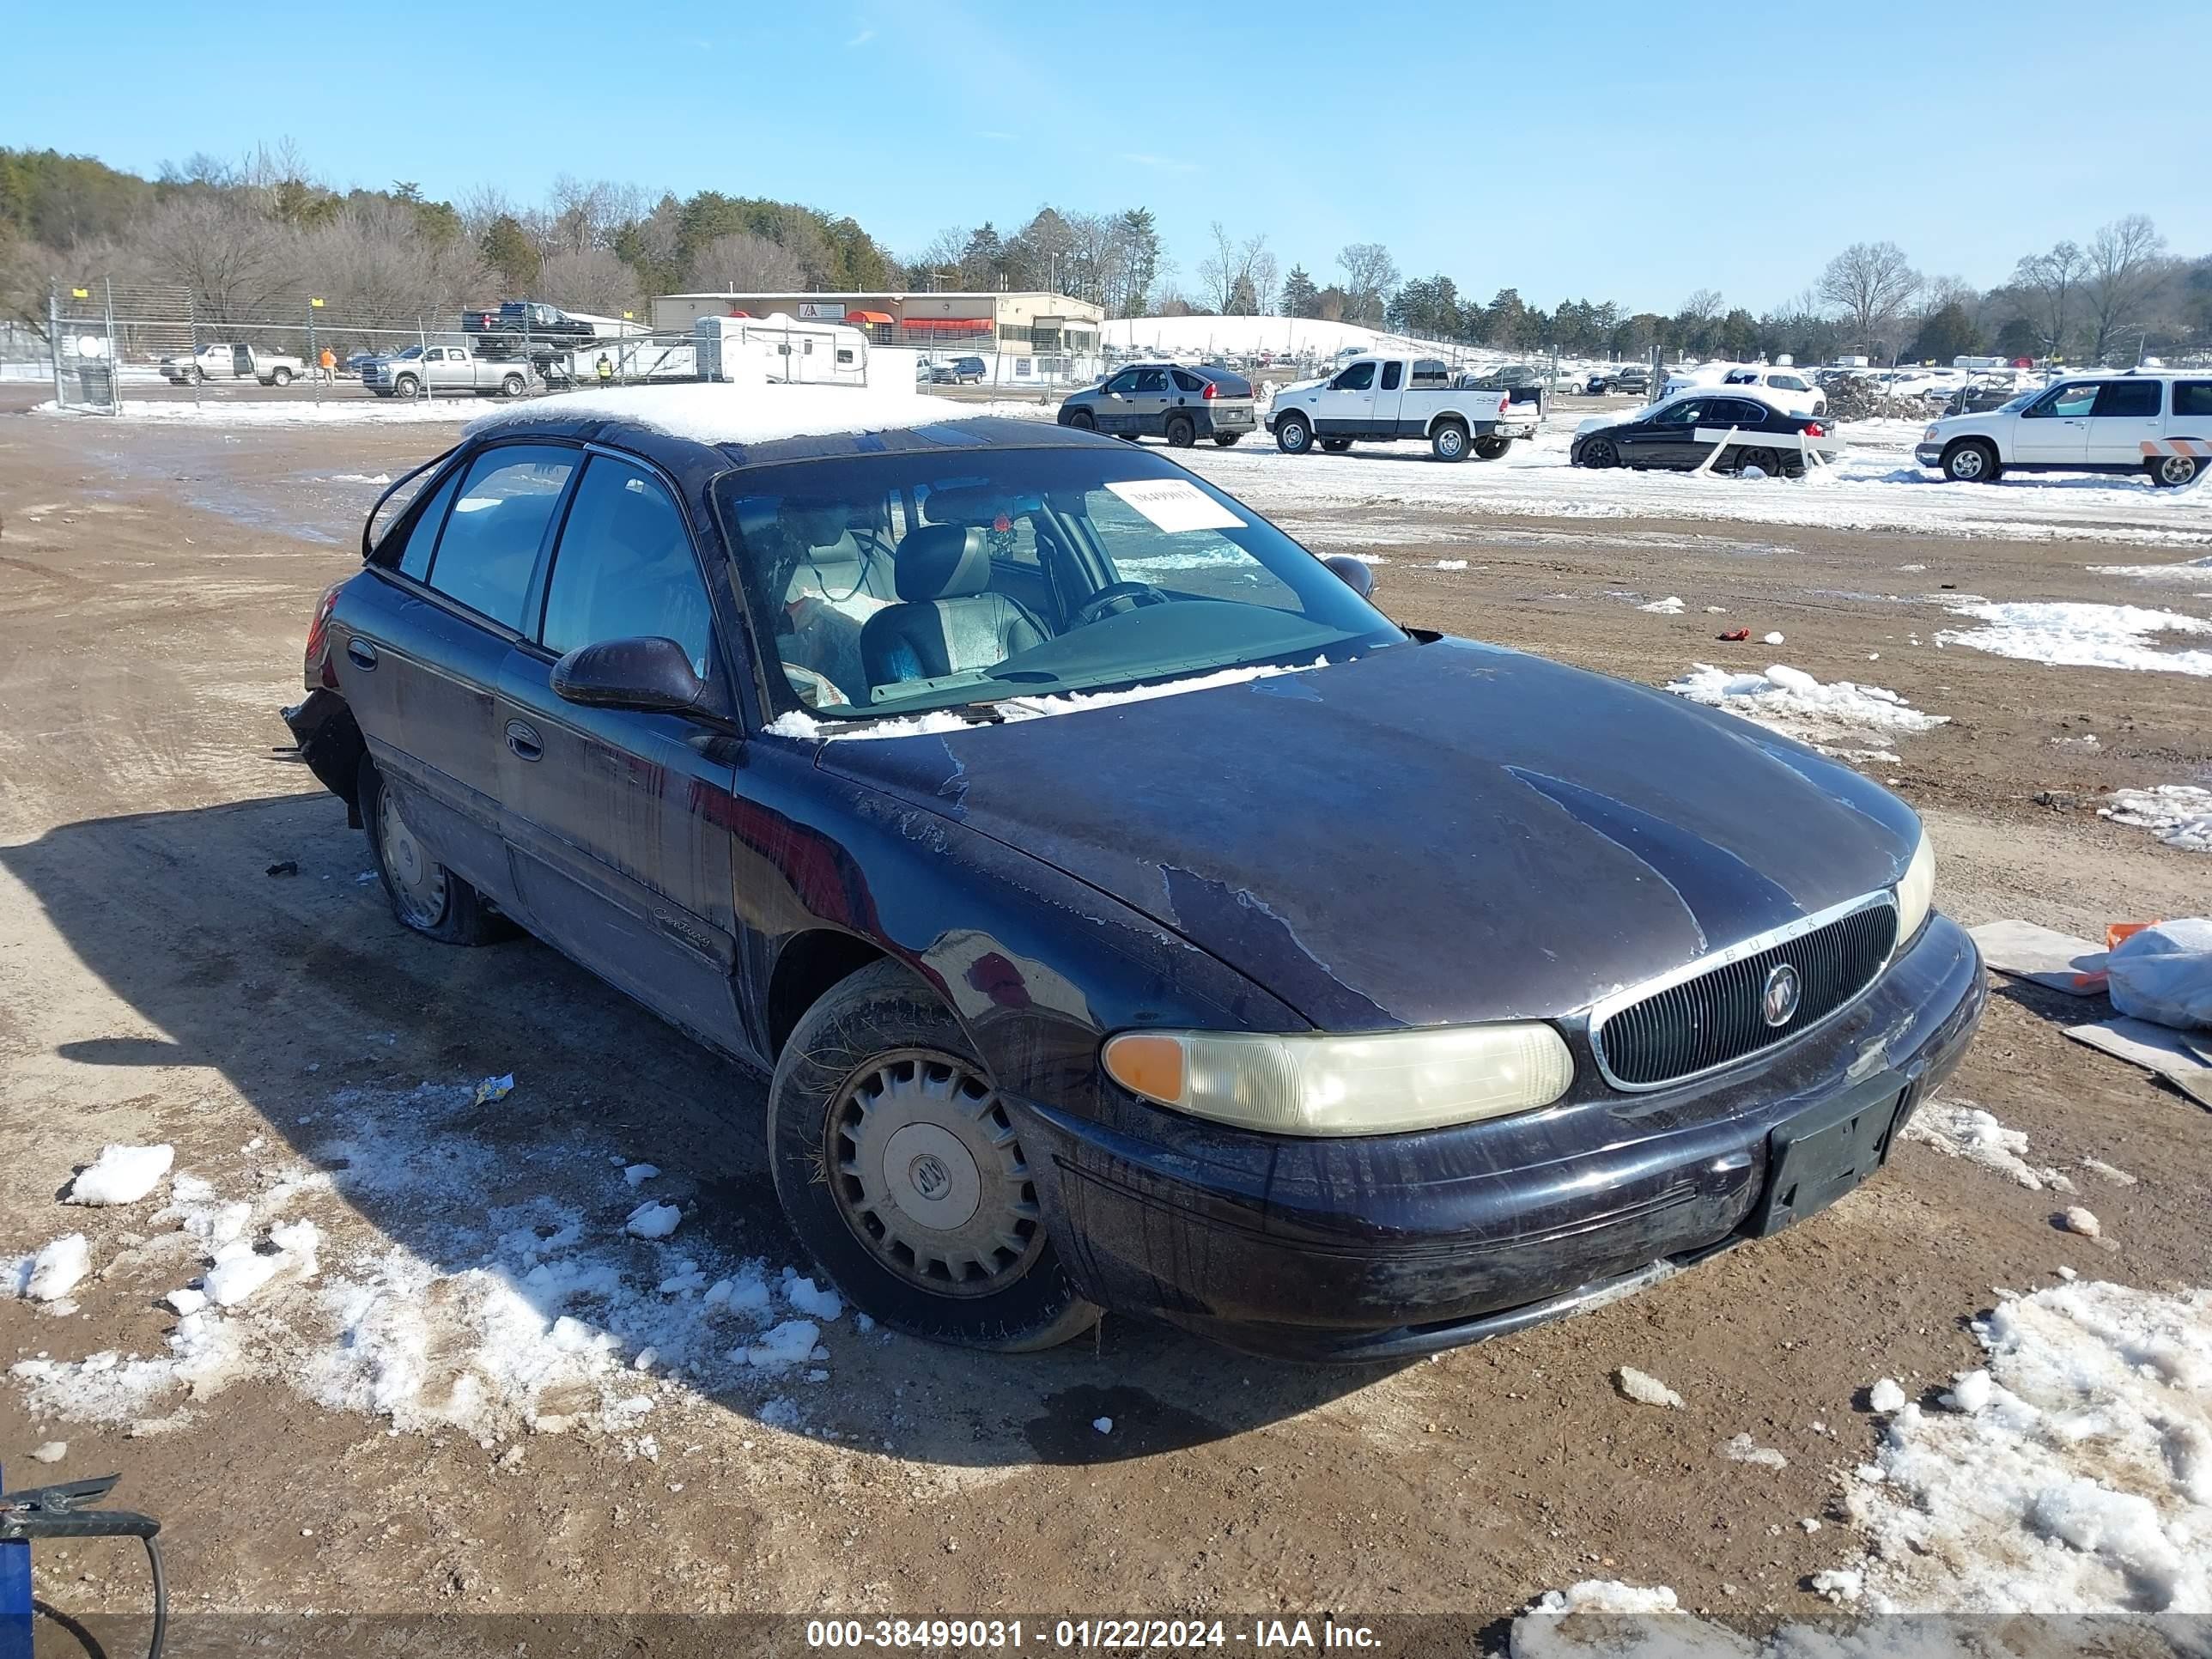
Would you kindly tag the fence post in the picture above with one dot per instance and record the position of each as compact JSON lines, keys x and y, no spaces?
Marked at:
{"x":193,"y":322}
{"x":114,"y":358}
{"x":314,"y":358}
{"x":54,"y":339}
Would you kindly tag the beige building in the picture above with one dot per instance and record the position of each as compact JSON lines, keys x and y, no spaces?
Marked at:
{"x":1029,"y":323}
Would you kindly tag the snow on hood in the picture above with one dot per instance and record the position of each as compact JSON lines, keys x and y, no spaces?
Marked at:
{"x":732,"y":413}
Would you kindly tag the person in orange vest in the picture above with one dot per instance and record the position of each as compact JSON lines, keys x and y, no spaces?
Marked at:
{"x":330,"y":365}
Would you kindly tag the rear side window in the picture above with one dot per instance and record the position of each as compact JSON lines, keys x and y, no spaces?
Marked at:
{"x":2128,"y":398}
{"x":423,"y":534}
{"x":1189,"y":382}
{"x":624,"y":567}
{"x":498,"y":521}
{"x":1393,"y":375}
{"x":2193,"y":398}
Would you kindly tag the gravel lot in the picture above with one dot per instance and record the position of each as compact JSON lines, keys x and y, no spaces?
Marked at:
{"x":156,"y":985}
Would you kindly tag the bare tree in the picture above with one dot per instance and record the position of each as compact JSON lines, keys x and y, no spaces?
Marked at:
{"x":592,"y":279}
{"x":744,"y":263}
{"x":237,"y":261}
{"x":1703,"y":306}
{"x":1370,"y":276}
{"x":1230,"y":274}
{"x":2051,"y":284}
{"x":2126,"y":267}
{"x":375,"y":273}
{"x":1872,"y":283}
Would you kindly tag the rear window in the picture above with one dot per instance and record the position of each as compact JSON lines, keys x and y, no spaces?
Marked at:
{"x":489,"y":546}
{"x":2193,"y":398}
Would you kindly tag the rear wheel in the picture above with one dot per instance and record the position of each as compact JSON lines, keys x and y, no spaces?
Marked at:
{"x":2172,"y":471}
{"x":280,"y":377}
{"x":1293,"y":435}
{"x":906,"y":1176}
{"x":1181,"y":433}
{"x":1599,"y":453}
{"x":511,"y":386}
{"x":1971,"y":460}
{"x":1764,"y":459}
{"x":425,"y":895}
{"x":1489,"y":449}
{"x":1227,"y":440}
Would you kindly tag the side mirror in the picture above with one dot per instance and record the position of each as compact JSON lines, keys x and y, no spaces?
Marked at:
{"x":648,"y":674}
{"x":1357,"y":574}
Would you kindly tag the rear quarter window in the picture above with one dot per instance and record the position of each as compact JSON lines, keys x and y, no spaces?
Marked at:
{"x":420,"y":538}
{"x":488,"y":549}
{"x":2193,"y":399}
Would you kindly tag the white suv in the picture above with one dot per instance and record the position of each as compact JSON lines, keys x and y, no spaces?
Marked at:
{"x":2156,"y":423}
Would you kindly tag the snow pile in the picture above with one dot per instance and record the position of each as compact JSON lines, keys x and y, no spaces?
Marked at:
{"x":121,"y":1174}
{"x":1887,"y":1395}
{"x":2179,"y":814}
{"x":652,"y":1219}
{"x":741,"y":412}
{"x":2197,"y":572}
{"x":2076,"y":635}
{"x":1670,"y":606}
{"x":813,"y":1300}
{"x":1962,"y":1130}
{"x":791,"y":1343}
{"x":1742,"y":1449}
{"x":1791,"y":701}
{"x":50,"y":1273}
{"x":2074,"y":1475}
{"x":239,"y":1273}
{"x":1604,"y":1619}
{"x":1645,"y":1388}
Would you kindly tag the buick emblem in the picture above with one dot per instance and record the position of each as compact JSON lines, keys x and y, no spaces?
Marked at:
{"x":1778,"y":1002}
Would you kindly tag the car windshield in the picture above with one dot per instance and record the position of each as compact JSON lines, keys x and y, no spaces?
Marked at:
{"x":956,"y":579}
{"x":412,"y":352}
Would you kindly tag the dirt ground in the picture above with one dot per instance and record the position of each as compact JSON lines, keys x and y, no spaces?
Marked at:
{"x":156,"y":985}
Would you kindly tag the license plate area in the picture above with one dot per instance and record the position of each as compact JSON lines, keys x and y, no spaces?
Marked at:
{"x":1815,"y":1158}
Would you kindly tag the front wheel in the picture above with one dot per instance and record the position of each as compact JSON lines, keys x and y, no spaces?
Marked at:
{"x":406,"y":387}
{"x":1227,"y":440}
{"x":905,"y":1175}
{"x":425,"y":895}
{"x":199,"y":375}
{"x":2172,"y":471}
{"x":1180,"y":433}
{"x":1293,"y":435}
{"x":1082,"y":419}
{"x":1599,"y":453}
{"x":1972,"y":461}
{"x":1489,"y":449}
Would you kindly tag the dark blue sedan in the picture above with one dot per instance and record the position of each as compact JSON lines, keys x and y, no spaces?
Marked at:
{"x":1128,"y":912}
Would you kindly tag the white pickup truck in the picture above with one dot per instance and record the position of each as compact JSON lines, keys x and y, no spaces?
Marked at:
{"x":1379,"y":399}
{"x":227,"y":360}
{"x":444,"y":368}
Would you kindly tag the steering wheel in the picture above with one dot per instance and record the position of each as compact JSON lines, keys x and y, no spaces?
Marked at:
{"x":1113,"y":599}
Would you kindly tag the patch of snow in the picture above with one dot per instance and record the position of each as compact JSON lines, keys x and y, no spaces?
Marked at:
{"x":791,"y":1343}
{"x":1104,"y":1425}
{"x":2079,"y":1220}
{"x":1962,"y":1130}
{"x":2179,"y":814}
{"x":50,"y":1272}
{"x":1670,"y":606}
{"x":2098,"y":1167}
{"x":1645,"y":1388}
{"x":121,"y":1174}
{"x":653,"y":1220}
{"x":1839,"y":1585}
{"x":735,"y":412}
{"x":1970,"y":1392}
{"x":1887,"y":1395}
{"x":637,"y":1174}
{"x":1770,"y":639}
{"x":1742,"y":1449}
{"x":2077,"y":635}
{"x":1451,"y":564}
{"x":815,"y":1301}
{"x":238,"y":1273}
{"x":1791,"y":701}
{"x":186,"y":1301}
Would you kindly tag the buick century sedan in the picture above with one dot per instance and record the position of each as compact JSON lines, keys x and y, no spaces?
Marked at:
{"x":1128,"y":912}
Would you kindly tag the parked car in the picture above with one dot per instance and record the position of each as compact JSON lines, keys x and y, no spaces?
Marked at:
{"x":508,"y":328}
{"x":1066,"y":1002}
{"x":970,"y":371}
{"x":233,"y":361}
{"x":1681,"y":431}
{"x":1631,"y":379}
{"x":2160,"y":424}
{"x":444,"y":368}
{"x":1379,"y":399}
{"x":1165,"y":400}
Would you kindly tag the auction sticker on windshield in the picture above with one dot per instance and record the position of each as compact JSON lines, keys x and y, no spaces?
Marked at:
{"x":1177,"y":504}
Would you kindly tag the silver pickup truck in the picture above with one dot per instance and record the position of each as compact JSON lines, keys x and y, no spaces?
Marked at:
{"x":420,"y":369}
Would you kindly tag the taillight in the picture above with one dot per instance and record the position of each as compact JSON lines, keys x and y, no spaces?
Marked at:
{"x":1210,"y":393}
{"x":320,"y":671}
{"x":1814,"y":429}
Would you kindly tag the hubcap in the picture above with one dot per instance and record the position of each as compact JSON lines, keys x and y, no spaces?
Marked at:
{"x":1294,"y":435}
{"x":929,"y":1174}
{"x":1967,"y":463}
{"x":417,"y":879}
{"x":1448,"y":441}
{"x":2179,"y":469}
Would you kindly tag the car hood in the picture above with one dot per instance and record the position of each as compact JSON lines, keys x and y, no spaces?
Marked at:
{"x":1429,"y":834}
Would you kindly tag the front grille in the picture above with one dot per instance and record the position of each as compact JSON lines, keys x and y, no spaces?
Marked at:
{"x":1717,"y":1015}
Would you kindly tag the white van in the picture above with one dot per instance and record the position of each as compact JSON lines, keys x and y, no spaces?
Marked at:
{"x":2156,"y":423}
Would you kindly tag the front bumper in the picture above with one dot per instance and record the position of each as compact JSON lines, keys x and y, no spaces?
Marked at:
{"x":1395,"y":1246}
{"x":1928,"y":454}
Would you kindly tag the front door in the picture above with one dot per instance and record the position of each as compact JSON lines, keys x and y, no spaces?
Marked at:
{"x":2126,"y":416}
{"x":1114,"y":413}
{"x":2054,"y":429}
{"x":1148,"y":403}
{"x":241,"y":362}
{"x":1345,"y":408}
{"x":1668,"y":439}
{"x":617,"y":822}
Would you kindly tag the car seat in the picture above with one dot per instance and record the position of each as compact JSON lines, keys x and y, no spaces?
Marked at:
{"x":947,"y":621}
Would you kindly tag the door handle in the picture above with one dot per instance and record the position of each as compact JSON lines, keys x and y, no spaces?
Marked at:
{"x":361,"y":653}
{"x":524,"y":741}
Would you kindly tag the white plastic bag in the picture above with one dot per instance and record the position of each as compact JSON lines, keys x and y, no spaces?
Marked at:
{"x":2164,"y":973}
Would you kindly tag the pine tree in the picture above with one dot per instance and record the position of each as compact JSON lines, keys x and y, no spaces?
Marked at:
{"x":1300,"y":297}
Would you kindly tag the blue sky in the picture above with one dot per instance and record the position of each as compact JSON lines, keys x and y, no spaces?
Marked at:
{"x":1607,"y":151}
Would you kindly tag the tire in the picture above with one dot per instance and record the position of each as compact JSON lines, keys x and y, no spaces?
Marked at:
{"x":1182,"y":432}
{"x":1764,"y":459}
{"x":426,"y":897}
{"x":1227,"y":440}
{"x":880,"y":1107}
{"x":1449,"y":442}
{"x":1293,"y":436}
{"x":1335,"y":446}
{"x":406,"y":386}
{"x":199,"y":375}
{"x":513,"y":387}
{"x":1083,"y":420}
{"x":1599,"y":452}
{"x":1490,"y":449}
{"x":1971,"y":460}
{"x":280,"y":377}
{"x":2172,"y":471}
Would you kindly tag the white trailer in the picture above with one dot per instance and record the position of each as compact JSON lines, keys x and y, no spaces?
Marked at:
{"x":778,"y":349}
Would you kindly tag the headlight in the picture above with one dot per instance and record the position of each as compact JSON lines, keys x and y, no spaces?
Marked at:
{"x":1916,"y":892}
{"x":1385,"y":1084}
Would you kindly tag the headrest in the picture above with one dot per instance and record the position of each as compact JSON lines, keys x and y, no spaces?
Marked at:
{"x":942,"y":561}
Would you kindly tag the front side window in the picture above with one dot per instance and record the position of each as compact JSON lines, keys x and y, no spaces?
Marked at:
{"x":490,"y":545}
{"x":2065,"y":402}
{"x":2126,"y":398}
{"x":1124,"y":383}
{"x":624,"y":569}
{"x":1022,"y":573}
{"x":1357,"y":378}
{"x":1688,"y":412}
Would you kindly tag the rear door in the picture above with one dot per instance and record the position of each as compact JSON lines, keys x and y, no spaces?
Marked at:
{"x":2054,"y":429}
{"x":618,"y":822}
{"x":422,"y":673}
{"x":1345,"y":408}
{"x":2127,"y":415}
